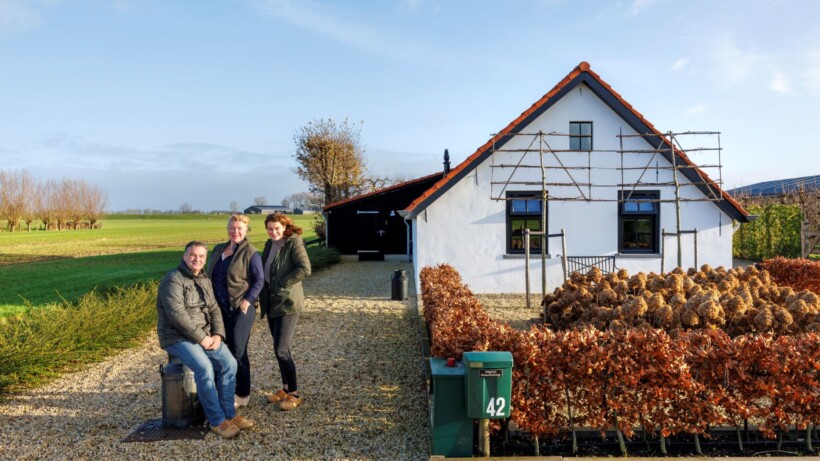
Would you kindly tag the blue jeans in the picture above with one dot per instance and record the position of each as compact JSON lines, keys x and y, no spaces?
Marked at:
{"x":215,"y":376}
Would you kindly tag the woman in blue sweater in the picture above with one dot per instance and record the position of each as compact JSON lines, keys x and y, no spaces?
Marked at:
{"x":235,"y":270}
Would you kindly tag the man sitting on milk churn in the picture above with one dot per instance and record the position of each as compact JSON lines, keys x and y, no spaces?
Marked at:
{"x":189,"y":326}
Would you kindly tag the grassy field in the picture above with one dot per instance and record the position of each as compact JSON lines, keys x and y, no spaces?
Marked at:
{"x":70,"y":298}
{"x":38,"y":268}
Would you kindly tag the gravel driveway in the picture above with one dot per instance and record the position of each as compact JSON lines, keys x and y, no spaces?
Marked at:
{"x":360,"y":372}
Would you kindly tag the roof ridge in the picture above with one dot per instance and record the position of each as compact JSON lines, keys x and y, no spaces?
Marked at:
{"x":378,"y":191}
{"x":581,"y":68}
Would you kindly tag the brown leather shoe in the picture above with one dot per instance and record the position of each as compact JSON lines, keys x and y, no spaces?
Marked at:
{"x":277,"y":397}
{"x":226,"y":430}
{"x":290,"y":402}
{"x":242,"y":423}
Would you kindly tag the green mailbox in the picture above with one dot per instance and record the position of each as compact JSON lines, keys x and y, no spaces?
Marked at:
{"x":488,"y":384}
{"x":452,"y":430}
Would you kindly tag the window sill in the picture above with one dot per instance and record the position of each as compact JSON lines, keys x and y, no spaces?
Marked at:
{"x":523,"y":256}
{"x":638,"y":255}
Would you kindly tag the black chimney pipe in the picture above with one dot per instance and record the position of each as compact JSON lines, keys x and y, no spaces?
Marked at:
{"x":446,"y":161}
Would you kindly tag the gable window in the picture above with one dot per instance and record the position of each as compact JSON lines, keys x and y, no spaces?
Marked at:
{"x":580,"y":135}
{"x":638,"y":221}
{"x":523,"y":212}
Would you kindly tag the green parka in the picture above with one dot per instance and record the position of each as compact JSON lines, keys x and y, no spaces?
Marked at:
{"x":285,"y":295}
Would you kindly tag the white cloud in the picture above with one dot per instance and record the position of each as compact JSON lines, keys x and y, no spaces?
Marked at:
{"x":780,"y":83}
{"x":680,"y":64}
{"x":411,"y":4}
{"x":811,"y":74}
{"x":67,"y":151}
{"x":315,"y":17}
{"x":638,"y":6}
{"x":17,"y":16}
{"x":733,"y":65}
{"x":327,"y":21}
{"x":696,"y":109}
{"x":206,"y":175}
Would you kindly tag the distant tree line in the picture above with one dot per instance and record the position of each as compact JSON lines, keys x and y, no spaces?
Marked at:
{"x":150,"y":211}
{"x":49,"y":205}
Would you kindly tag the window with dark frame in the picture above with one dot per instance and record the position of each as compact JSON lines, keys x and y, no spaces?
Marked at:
{"x":638,"y":221}
{"x":580,"y":136}
{"x":523,"y":212}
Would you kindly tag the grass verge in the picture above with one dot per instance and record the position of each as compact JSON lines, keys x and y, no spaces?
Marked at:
{"x":49,"y":340}
{"x":42,"y":283}
{"x":45,"y":341}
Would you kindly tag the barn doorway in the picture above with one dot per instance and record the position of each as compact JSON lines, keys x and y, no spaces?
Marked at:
{"x":370,"y":242}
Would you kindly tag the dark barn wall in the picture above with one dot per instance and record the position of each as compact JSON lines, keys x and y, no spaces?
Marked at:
{"x":350,"y":231}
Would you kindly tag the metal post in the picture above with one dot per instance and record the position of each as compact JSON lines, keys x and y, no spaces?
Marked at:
{"x":696,"y":248}
{"x":409,"y":240}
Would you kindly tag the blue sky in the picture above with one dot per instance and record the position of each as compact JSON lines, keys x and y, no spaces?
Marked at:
{"x":164,"y":102}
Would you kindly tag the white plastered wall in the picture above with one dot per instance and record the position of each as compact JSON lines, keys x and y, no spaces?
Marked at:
{"x":466,"y":228}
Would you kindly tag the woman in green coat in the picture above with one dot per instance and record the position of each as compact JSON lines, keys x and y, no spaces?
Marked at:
{"x":286,"y":264}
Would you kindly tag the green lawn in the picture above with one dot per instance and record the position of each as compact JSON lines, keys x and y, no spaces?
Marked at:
{"x":128,"y":233}
{"x":38,"y":268}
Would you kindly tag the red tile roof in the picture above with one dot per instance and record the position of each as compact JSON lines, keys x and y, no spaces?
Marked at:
{"x":380,"y":191}
{"x":583,"y":68}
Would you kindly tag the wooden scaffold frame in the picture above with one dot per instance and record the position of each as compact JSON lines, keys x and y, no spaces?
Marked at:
{"x":667,"y":146}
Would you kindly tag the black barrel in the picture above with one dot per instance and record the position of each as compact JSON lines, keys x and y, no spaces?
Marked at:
{"x":180,"y":403}
{"x":398,"y":286}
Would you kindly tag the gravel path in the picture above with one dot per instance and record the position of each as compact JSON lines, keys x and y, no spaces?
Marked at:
{"x":360,"y":371}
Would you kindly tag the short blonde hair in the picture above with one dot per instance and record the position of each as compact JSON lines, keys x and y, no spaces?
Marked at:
{"x":239,"y":217}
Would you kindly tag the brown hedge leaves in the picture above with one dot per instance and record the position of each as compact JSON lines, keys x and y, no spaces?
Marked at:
{"x":608,"y":366}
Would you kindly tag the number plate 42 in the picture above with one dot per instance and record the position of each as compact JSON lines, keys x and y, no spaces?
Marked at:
{"x":496,"y":407}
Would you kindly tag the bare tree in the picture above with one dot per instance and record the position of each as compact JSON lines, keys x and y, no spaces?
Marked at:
{"x":44,"y":205}
{"x":61,"y":204}
{"x":76,"y":192}
{"x":12,"y":196}
{"x":374,"y":183}
{"x":234,"y":206}
{"x":4,"y":185}
{"x":260,"y":201}
{"x":96,"y":200}
{"x":298,"y":200}
{"x":330,"y":157}
{"x":23,"y":198}
{"x":31,"y":192}
{"x":186,"y":208}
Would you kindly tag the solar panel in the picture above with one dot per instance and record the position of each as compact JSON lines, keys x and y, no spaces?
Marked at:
{"x":778,"y":187}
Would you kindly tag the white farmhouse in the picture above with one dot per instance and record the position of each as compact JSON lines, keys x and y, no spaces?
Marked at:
{"x":611,"y":186}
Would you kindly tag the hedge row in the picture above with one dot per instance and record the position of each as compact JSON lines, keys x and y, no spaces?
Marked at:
{"x":776,"y":232}
{"x":799,"y":274}
{"x":632,"y":379}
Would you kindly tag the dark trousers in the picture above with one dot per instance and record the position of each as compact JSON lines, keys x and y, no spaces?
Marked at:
{"x":282,"y":328}
{"x":238,"y":328}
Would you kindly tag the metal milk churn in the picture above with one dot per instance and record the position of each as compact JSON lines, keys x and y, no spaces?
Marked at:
{"x":180,"y":403}
{"x":398,"y":286}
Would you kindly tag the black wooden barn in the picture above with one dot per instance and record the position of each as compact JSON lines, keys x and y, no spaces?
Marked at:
{"x":369,"y":225}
